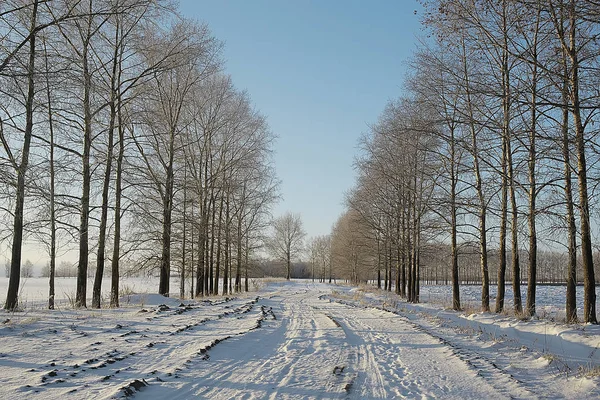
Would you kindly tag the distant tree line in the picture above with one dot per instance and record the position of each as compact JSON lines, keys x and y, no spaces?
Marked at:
{"x":486,"y":170}
{"x":123,"y":140}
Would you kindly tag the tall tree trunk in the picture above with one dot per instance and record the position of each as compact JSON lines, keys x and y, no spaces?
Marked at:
{"x":388,"y":256}
{"x":238,"y":271}
{"x":51,"y":291}
{"x":201,"y":250}
{"x":165,"y":261}
{"x":403,"y":249}
{"x":418,"y":262}
{"x":398,"y":266}
{"x":453,"y":223}
{"x":208,"y":208}
{"x":212,"y":246}
{"x":416,"y":235}
{"x":503,"y":229}
{"x":200,"y":269}
{"x":82,"y":267}
{"x":507,"y":177}
{"x":288,"y":264}
{"x":97,"y":289}
{"x":532,"y":269}
{"x":571,"y":303}
{"x":330,"y":271}
{"x":207,"y":262}
{"x":379,"y":265}
{"x":485,"y":281}
{"x":229,"y":267}
{"x":516,"y":268}
{"x":114,"y":287}
{"x":227,"y":247}
{"x":246,"y":251}
{"x":192,"y":292}
{"x":183,"y":244}
{"x":17,"y":243}
{"x":219,"y":252}
{"x":589,"y":281}
{"x":409,"y":249}
{"x":507,"y":136}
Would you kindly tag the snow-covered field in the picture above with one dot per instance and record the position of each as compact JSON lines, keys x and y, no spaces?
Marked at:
{"x":33,"y":292}
{"x":550,"y":300}
{"x":291,"y":340}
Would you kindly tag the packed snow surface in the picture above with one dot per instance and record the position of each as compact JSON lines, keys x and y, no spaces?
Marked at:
{"x":292,"y":340}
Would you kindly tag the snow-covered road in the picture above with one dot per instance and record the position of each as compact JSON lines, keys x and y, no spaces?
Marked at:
{"x":323,"y":349}
{"x":313,"y":347}
{"x":294,"y":341}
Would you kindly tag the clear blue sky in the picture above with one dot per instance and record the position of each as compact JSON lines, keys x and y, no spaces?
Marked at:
{"x":320,"y":71}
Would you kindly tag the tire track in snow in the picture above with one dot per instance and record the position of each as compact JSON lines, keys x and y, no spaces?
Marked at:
{"x":364,"y":370}
{"x":294,"y":356}
{"x":305,"y":349}
{"x":504,"y":383}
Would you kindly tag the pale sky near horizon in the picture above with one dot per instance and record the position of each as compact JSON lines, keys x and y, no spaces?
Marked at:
{"x":321,"y":72}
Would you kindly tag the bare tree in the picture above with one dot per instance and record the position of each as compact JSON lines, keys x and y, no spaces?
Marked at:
{"x":22,"y":165}
{"x":575,"y":38}
{"x":319,"y":251}
{"x":287,"y":239}
{"x":27,"y":269}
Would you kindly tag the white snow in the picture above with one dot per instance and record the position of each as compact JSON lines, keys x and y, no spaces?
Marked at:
{"x":290,"y":340}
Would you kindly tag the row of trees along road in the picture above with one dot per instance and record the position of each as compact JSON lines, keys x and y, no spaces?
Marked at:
{"x":123,"y":139}
{"x":492,"y":150}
